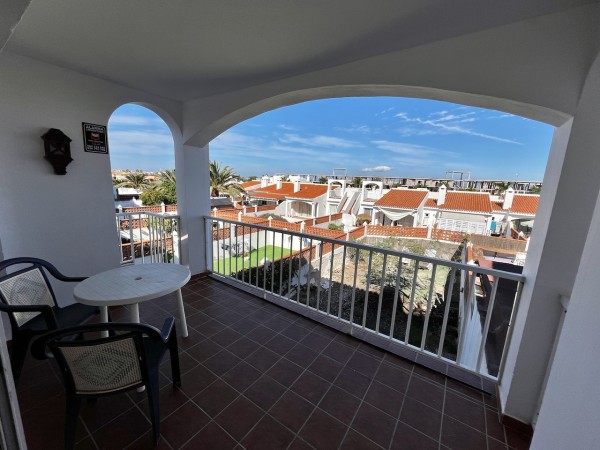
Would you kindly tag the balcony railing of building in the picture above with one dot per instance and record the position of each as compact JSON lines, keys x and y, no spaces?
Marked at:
{"x":444,"y":314}
{"x":146,"y":237}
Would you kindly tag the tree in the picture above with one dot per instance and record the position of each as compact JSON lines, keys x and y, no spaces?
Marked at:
{"x":501,"y":186}
{"x":535,"y":190}
{"x":224,"y":179}
{"x":134,"y":180}
{"x":357,"y":181}
{"x":323,"y":180}
{"x":167,"y":186}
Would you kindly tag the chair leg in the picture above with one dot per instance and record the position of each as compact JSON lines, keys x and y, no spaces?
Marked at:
{"x":154,"y":403}
{"x":174,"y":355}
{"x":18,"y":355}
{"x":72,"y":416}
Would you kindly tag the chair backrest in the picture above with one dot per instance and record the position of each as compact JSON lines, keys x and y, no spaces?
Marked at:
{"x":101,"y":366}
{"x":26,"y":287}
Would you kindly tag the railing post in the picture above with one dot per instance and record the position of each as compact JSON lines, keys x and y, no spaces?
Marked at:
{"x":245,"y":211}
{"x":163,"y":208}
{"x":255,"y":208}
{"x":240,"y":215}
{"x":366,"y":228}
{"x":175,"y":242}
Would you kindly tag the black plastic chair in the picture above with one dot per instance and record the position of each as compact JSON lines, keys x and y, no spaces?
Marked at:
{"x":27,"y":297}
{"x":129,"y":357}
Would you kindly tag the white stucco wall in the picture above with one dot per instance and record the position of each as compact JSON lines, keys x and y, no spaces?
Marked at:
{"x":555,"y":257}
{"x":569,"y":414}
{"x":67,"y":219}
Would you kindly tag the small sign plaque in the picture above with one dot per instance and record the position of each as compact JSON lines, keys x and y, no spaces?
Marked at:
{"x":94,"y":138}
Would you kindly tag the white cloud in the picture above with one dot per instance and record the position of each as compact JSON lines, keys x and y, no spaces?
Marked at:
{"x":445,"y":122}
{"x":319,"y":141}
{"x":377,"y":169}
{"x":283,"y":126}
{"x":363,"y":129}
{"x":401,"y":147}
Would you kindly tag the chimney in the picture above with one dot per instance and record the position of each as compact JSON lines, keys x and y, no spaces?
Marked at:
{"x":279,"y":183}
{"x":509,"y":196}
{"x":441,"y":195}
{"x":264,"y":181}
{"x":296,"y":185}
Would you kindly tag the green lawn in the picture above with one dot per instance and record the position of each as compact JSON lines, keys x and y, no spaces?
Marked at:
{"x":228,"y":265}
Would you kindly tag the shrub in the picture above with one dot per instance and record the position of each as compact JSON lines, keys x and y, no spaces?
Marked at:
{"x":362,"y":218}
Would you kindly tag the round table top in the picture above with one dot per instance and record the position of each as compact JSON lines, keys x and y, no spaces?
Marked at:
{"x":131,"y":284}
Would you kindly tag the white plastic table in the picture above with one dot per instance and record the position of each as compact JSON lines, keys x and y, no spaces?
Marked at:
{"x":131,"y":285}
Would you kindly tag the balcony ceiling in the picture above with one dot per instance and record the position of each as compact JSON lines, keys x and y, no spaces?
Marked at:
{"x":197,"y":49}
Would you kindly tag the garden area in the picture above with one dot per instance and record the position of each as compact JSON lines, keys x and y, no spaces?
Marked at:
{"x":253,"y":258}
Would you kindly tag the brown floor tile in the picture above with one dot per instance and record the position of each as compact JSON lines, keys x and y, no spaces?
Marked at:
{"x":301,"y":355}
{"x":494,"y":427}
{"x":261,"y":334}
{"x":465,"y":411}
{"x":370,"y":350}
{"x":280,"y":345}
{"x":103,"y":410}
{"x":340,"y":404}
{"x":243,"y":347}
{"x":393,"y":377}
{"x":323,"y":431}
{"x":384,"y":398}
{"x":211,"y":437}
{"x":215,"y":397}
{"x":196,"y":380}
{"x":226,"y":337}
{"x":316,"y":341}
{"x":265,"y":392}
{"x":325,"y":367}
{"x":123,"y":430}
{"x":365,"y":364}
{"x":242,"y":376}
{"x":407,"y":437}
{"x":431,"y":394}
{"x":204,"y":350}
{"x":300,"y":444}
{"x":262,"y":359}
{"x":291,"y":410}
{"x":374,"y":424}
{"x":353,"y":382}
{"x":516,"y":440}
{"x":421,"y":417}
{"x":239,"y":417}
{"x":221,"y":362}
{"x":356,"y":441}
{"x":294,"y":332}
{"x":457,"y":435}
{"x":493,"y":444}
{"x":311,"y":387}
{"x":169,"y":400}
{"x":285,"y":372}
{"x":340,"y":352}
{"x":466,"y":391}
{"x":268,"y":434}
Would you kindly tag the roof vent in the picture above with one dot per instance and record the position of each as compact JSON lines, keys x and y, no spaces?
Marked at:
{"x":441,"y":195}
{"x":509,"y":196}
{"x":296,"y":185}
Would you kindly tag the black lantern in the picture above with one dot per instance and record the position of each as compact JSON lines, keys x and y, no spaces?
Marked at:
{"x":57,"y":149}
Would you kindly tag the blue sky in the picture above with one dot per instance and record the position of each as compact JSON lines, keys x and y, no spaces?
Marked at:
{"x":378,"y":136}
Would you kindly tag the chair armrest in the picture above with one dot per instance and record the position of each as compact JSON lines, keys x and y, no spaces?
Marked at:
{"x":46,"y":311}
{"x":167,"y":328}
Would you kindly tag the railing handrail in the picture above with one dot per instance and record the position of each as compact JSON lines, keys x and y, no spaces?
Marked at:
{"x":146,"y":213}
{"x":385,"y":251}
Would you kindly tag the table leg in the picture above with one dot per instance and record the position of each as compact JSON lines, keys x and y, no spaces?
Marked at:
{"x":183,"y":331}
{"x":104,"y":319}
{"x":134,"y":313}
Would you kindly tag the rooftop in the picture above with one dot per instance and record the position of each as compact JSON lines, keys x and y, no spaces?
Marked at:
{"x":402,"y":199}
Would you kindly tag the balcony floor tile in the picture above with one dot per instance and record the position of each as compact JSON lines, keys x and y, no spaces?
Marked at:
{"x":255,"y":375}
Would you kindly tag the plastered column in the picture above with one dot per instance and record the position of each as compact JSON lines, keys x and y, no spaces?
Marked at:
{"x":564,"y":219}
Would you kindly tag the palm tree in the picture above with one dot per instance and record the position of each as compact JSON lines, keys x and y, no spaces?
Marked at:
{"x":224,"y":179}
{"x":134,"y":180}
{"x":167,"y":186}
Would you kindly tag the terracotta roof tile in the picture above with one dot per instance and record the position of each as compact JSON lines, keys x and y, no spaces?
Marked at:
{"x":307,"y":191}
{"x":468,"y":201}
{"x":251,"y":184}
{"x":402,"y":199}
{"x":525,"y":204}
{"x":522,"y":204}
